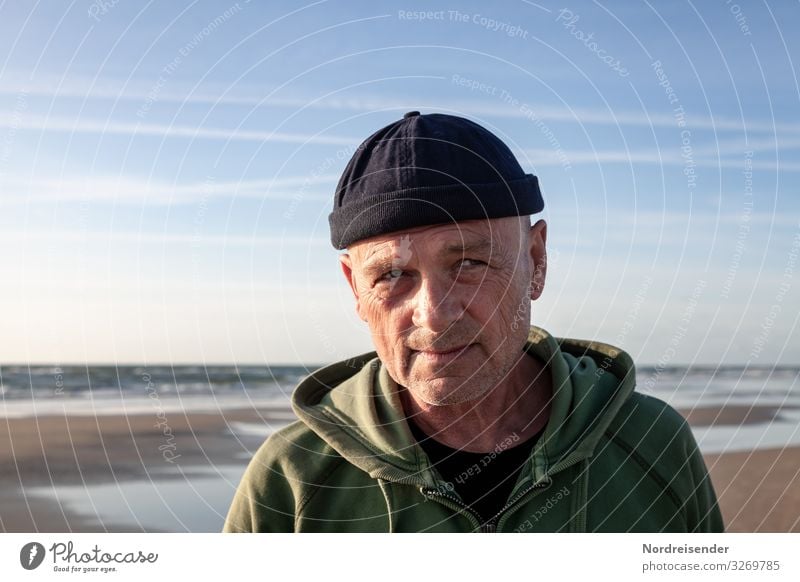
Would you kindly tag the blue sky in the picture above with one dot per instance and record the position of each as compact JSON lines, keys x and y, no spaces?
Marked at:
{"x":166,"y":170}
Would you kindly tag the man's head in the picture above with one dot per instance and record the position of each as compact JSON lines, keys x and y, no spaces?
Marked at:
{"x":446,"y":287}
{"x":442,"y":259}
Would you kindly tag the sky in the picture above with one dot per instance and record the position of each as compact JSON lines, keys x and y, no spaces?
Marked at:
{"x":167,"y":169}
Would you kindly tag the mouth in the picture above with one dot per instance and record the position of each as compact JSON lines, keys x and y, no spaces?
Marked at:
{"x":443,"y":356}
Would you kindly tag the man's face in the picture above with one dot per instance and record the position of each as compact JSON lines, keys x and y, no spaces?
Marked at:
{"x":448,"y":306}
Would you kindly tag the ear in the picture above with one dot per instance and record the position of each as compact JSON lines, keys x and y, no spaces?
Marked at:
{"x":537,"y":239}
{"x":346,"y":262}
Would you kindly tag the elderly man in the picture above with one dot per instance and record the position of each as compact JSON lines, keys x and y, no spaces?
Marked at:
{"x":465,"y":418}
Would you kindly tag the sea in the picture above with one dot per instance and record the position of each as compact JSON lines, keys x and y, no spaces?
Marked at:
{"x":199,"y":500}
{"x":45,"y":390}
{"x":28,"y":391}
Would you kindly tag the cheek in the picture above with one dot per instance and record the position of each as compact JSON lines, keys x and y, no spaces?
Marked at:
{"x":494,"y":299}
{"x":386,"y":322}
{"x":388,"y":337}
{"x":501,"y":307}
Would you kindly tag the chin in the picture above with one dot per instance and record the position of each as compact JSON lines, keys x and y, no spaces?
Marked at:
{"x":447,"y":391}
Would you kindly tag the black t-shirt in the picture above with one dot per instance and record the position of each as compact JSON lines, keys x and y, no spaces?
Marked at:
{"x":482,"y":480}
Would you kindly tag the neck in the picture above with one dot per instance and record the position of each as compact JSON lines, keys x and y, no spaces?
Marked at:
{"x":520,"y":405}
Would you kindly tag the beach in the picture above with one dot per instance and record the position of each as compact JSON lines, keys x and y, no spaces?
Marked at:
{"x":123,"y":472}
{"x":758,"y":490}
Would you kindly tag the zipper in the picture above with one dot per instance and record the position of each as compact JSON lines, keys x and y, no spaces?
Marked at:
{"x":545,"y":483}
{"x":490,"y":525}
{"x":455,"y":504}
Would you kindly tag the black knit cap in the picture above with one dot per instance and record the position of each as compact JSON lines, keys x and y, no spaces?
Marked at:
{"x":428,"y":169}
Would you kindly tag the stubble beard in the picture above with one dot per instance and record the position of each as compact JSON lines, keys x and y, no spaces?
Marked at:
{"x":456,"y":390}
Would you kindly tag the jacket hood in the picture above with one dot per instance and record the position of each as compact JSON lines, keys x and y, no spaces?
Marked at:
{"x":355,"y":407}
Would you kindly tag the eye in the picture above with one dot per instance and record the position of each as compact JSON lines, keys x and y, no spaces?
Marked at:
{"x":470,"y":263}
{"x":391,"y":275}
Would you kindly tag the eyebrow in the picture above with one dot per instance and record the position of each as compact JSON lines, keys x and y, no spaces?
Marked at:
{"x":481,"y":245}
{"x":384,"y":262}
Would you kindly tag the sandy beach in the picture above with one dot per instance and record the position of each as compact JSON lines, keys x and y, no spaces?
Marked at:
{"x":80,"y":452}
{"x":759,"y":491}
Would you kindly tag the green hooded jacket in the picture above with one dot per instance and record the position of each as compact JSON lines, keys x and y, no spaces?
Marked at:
{"x":610,"y":459}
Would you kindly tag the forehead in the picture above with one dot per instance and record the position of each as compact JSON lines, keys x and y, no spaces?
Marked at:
{"x":491,"y":236}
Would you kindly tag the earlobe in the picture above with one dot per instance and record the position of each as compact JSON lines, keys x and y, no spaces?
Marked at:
{"x":538,"y":276}
{"x":538,"y":255}
{"x":536,"y":291}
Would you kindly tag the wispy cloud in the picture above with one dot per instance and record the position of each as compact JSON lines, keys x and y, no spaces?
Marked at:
{"x":127,"y":190}
{"x":76,"y":236}
{"x":638,"y":156}
{"x":703,"y":154}
{"x":651,"y":220}
{"x":83,"y":125}
{"x":132,"y":190}
{"x":253,"y":97}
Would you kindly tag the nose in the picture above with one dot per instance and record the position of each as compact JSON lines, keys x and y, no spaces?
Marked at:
{"x":436,"y":305}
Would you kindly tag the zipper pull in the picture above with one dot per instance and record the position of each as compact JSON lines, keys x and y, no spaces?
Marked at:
{"x":488,"y":527}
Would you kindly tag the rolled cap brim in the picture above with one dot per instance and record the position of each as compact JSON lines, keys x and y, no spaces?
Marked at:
{"x":399,"y":210}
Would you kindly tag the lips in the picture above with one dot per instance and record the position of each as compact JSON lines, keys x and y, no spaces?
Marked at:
{"x":443,"y":356}
{"x":442,"y":352}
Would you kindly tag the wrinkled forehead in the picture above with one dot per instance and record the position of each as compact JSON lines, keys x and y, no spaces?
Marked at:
{"x":489,"y":236}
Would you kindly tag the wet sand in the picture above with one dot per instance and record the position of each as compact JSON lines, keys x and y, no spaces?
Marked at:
{"x":758,"y":491}
{"x":53,"y":452}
